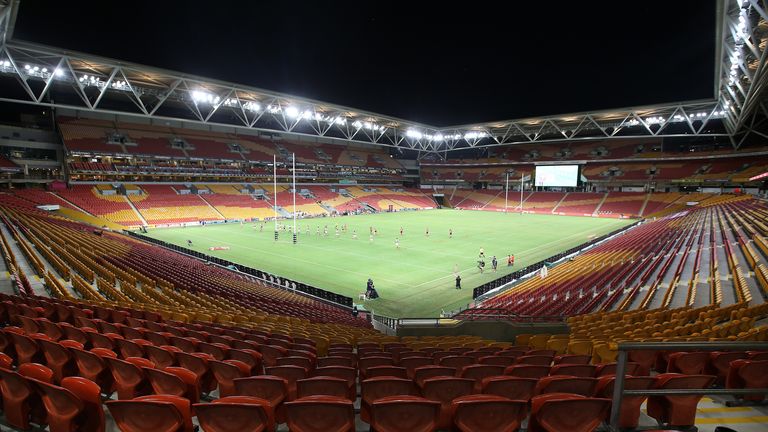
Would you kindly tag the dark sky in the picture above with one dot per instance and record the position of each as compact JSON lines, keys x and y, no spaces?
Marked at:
{"x":446,"y":64}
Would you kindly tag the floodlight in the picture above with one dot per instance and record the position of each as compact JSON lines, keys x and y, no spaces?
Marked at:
{"x":292,"y":112}
{"x":58,"y":72}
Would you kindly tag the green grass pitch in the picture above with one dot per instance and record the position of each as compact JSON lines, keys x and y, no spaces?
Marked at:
{"x":416,"y":280}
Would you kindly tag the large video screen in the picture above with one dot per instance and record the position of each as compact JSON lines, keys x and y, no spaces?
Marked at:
{"x":557,"y":175}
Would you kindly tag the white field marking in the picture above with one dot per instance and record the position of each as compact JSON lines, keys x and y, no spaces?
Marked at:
{"x":527,"y":251}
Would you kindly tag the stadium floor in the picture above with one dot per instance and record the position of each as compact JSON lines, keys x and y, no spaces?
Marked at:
{"x":415,"y":280}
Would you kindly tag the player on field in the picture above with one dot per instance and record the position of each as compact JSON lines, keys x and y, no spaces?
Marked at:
{"x":511,"y":260}
{"x":494,"y":263}
{"x":397,"y":243}
{"x":401,"y":231}
{"x":426,"y":233}
{"x":354,"y":234}
{"x":450,"y":232}
{"x":189,"y":243}
{"x":482,"y":253}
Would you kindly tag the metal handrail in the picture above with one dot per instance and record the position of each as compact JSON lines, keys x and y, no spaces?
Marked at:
{"x":621,"y":369}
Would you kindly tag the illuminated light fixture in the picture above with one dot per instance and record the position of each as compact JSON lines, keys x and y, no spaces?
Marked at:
{"x":413,"y":133}
{"x":35,"y":69}
{"x":274,"y":109}
{"x":306,"y":115}
{"x":204,"y":97}
{"x":45,"y":70}
{"x":474,"y":135}
{"x":252,"y":106}
{"x":58,"y":72}
{"x":27,"y":67}
{"x":6,"y":63}
{"x":292,"y":112}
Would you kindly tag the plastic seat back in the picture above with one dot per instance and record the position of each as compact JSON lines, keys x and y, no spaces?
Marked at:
{"x":630,"y":405}
{"x":322,"y":386}
{"x":235,"y":414}
{"x":457,"y":362}
{"x":411,"y":363}
{"x":480,"y":372}
{"x":182,"y":405}
{"x":334,"y":361}
{"x":527,"y":371}
{"x":720,"y":362}
{"x":567,"y":412}
{"x":488,"y":413}
{"x":677,"y":410}
{"x":583,"y":371}
{"x":291,"y":374}
{"x":320,"y":413}
{"x":566,"y":384}
{"x":250,"y":357}
{"x":689,"y":363}
{"x":510,"y":387}
{"x":376,"y":388}
{"x":748,"y":374}
{"x":430,"y":371}
{"x":445,"y":390}
{"x":225,"y":372}
{"x":404,"y":414}
{"x":143,"y":416}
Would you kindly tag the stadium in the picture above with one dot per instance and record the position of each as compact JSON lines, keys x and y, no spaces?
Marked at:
{"x":183,"y":253}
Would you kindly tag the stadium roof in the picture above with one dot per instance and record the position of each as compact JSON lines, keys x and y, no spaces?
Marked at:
{"x":47,"y":76}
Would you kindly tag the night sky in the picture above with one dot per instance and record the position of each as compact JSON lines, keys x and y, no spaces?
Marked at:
{"x":455,"y":63}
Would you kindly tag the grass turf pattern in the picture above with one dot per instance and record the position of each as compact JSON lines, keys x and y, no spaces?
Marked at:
{"x":415,"y":280}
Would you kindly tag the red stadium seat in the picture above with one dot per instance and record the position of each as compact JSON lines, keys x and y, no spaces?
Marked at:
{"x":346,"y":373}
{"x":335,"y":361}
{"x":21,"y":402}
{"x":488,"y":413}
{"x":159,"y":414}
{"x":174,"y":381}
{"x":291,"y":374}
{"x":322,"y":386}
{"x":227,"y":371}
{"x":198,"y":363}
{"x":605,"y":369}
{"x":376,"y":388}
{"x":689,"y":363}
{"x":423,"y":372}
{"x":748,"y":374}
{"x":236,"y":414}
{"x":572,"y":359}
{"x":584,"y":370}
{"x":392,"y":371}
{"x":161,"y":356}
{"x":510,"y":387}
{"x":566,"y":384}
{"x":457,"y":362}
{"x":527,"y":371}
{"x":270,"y":388}
{"x":250,"y":357}
{"x":130,"y":380}
{"x":480,"y":372}
{"x":76,"y":405}
{"x":413,"y":362}
{"x":404,"y":414}
{"x":320,"y":413}
{"x":630,"y":405}
{"x":58,"y":358}
{"x":720,"y":363}
{"x":677,"y":410}
{"x":559,"y":412}
{"x":445,"y":390}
